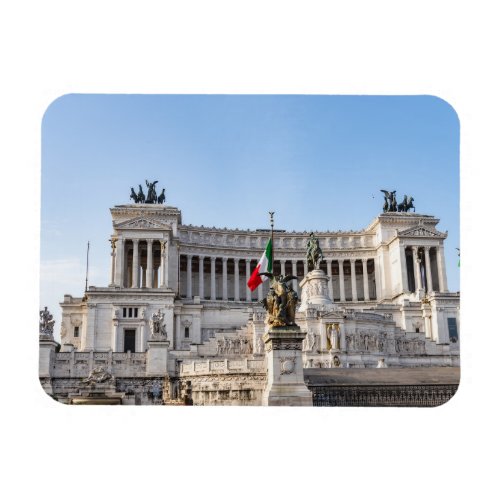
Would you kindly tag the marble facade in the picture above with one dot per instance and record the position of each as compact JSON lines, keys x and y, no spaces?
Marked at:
{"x":380,"y":293}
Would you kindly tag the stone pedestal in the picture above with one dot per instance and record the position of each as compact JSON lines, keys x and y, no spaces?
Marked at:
{"x":314,"y":289}
{"x":157,"y":357}
{"x":46,"y":357}
{"x":285,"y":375}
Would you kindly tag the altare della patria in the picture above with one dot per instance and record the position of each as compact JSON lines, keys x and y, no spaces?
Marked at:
{"x":201,"y":316}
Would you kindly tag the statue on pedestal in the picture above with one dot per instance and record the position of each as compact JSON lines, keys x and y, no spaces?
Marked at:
{"x":281,"y":301}
{"x":157,"y":327}
{"x":46,"y":324}
{"x":314,"y":253}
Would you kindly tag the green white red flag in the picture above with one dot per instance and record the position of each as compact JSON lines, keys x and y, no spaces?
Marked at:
{"x":265,"y":265}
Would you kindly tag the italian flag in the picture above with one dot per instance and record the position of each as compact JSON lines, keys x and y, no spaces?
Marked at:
{"x":264,"y":265}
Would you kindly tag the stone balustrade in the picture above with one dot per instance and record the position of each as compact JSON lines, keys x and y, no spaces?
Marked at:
{"x":210,"y":367}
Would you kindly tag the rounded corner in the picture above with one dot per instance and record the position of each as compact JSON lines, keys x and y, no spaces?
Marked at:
{"x":50,"y":396}
{"x":54,"y":103}
{"x":447,"y":104}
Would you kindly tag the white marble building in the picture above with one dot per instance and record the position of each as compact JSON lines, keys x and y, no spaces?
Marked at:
{"x":384,"y":301}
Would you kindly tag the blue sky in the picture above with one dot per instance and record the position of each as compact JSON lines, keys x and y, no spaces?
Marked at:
{"x":225,"y":160}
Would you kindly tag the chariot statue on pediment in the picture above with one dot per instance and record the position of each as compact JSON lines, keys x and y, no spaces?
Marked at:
{"x":390,"y":203}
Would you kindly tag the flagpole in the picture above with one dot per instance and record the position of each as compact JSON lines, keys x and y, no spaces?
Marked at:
{"x":271,"y":216}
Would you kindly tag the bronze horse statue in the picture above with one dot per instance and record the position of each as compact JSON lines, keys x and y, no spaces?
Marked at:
{"x":140,"y":195}
{"x":406,"y":204}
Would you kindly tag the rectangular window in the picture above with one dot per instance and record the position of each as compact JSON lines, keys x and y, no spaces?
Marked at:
{"x":186,"y":332}
{"x":129,"y":341}
{"x":136,"y":311}
{"x":129,"y":312}
{"x":76,"y":331}
{"x":124,"y":312}
{"x":452,"y":330}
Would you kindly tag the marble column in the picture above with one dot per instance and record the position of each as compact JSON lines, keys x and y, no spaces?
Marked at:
{"x":189,"y":279}
{"x":341,"y":280}
{"x":135,"y":264}
{"x":236,"y":279}
{"x":353,"y":281}
{"x":366,"y":292}
{"x":177,"y":337}
{"x":294,"y":272}
{"x":213,"y":295}
{"x":416,"y":268}
{"x":443,"y":284}
{"x":259,"y":292}
{"x":248,"y":291}
{"x":149,"y":268}
{"x":428,"y":272}
{"x":224,"y":278}
{"x":119,"y":262}
{"x":113,"y":261}
{"x":164,"y":263}
{"x":201,"y":278}
{"x":404,"y":270}
{"x":305,"y":268}
{"x":282,"y":268}
{"x":330,"y":276}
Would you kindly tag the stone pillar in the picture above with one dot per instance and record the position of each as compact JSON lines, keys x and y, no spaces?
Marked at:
{"x":119,"y":262}
{"x":416,"y":268}
{"x":404,"y":270}
{"x":353,"y":281}
{"x":149,"y":269}
{"x":213,"y":295}
{"x":366,"y":291}
{"x":113,"y":261}
{"x":426,"y":313}
{"x":259,"y":292}
{"x":224,"y":278}
{"x":248,"y":291}
{"x":177,"y":335}
{"x":135,"y":264}
{"x":201,"y":278}
{"x":236,"y":279}
{"x":114,"y":334}
{"x":341,"y":280}
{"x":285,"y":374}
{"x":282,"y":269}
{"x":378,"y":277}
{"x":143,"y":337}
{"x":428,"y":272}
{"x":164,"y":264}
{"x":330,"y":277}
{"x":294,"y":272}
{"x":443,"y":284}
{"x":88,"y":340}
{"x":189,"y":284}
{"x":305,"y":268}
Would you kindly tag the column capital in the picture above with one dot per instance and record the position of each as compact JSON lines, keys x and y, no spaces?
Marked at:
{"x":236,"y":259}
{"x":189,"y":257}
{"x":201,"y":257}
{"x":248,"y":260}
{"x":212,"y":258}
{"x":364,"y":260}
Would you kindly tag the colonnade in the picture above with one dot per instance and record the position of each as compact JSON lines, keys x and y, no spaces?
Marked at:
{"x":423,"y":268}
{"x":139,"y":263}
{"x":227,"y":277}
